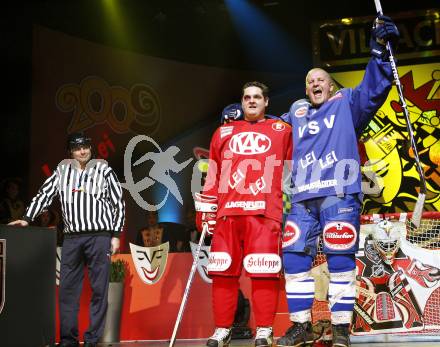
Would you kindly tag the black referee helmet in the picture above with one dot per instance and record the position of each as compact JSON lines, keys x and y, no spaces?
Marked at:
{"x":76,"y":140}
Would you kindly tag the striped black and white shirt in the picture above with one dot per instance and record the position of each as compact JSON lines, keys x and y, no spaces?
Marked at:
{"x":91,"y":199}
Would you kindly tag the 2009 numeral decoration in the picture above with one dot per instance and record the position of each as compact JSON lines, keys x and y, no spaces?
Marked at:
{"x":93,"y":101}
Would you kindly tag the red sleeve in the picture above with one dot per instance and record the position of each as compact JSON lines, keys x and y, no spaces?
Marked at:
{"x":289,"y":146}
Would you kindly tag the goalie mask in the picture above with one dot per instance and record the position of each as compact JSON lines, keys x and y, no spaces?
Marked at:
{"x":386,"y":240}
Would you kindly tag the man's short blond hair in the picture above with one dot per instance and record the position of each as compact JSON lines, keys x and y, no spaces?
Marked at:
{"x":325,"y":72}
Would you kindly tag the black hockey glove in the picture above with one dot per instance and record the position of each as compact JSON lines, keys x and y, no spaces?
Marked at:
{"x":384,"y":30}
{"x":231,"y":112}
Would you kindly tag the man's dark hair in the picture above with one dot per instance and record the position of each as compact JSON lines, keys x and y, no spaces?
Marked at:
{"x":262,"y":86}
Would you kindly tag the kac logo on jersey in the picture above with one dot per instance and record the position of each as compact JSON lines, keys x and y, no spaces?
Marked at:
{"x":291,"y":234}
{"x":2,"y":273}
{"x":248,"y":143}
{"x":301,"y":112}
{"x":339,"y":235}
{"x":278,"y":126}
{"x":150,"y":262}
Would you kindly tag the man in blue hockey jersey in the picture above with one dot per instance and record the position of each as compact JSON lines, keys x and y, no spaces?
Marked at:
{"x":326,"y":197}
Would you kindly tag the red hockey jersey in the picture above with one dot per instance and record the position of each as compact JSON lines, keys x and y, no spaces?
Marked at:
{"x":246,"y":167}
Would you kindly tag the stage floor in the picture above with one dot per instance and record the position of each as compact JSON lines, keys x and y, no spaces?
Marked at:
{"x":250,"y":343}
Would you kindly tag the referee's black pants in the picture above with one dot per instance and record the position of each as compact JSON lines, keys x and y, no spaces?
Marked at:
{"x":94,"y":252}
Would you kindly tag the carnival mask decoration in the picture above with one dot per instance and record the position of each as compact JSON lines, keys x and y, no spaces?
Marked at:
{"x":202,"y":264}
{"x":150,"y":262}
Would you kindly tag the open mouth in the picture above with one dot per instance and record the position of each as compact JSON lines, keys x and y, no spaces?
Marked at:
{"x":205,"y":270}
{"x":150,"y":275}
{"x":317,"y":92}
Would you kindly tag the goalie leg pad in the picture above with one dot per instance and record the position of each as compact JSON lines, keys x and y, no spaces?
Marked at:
{"x":342,"y":287}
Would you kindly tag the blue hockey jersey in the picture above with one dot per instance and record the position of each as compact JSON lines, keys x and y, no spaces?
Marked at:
{"x":325,"y":157}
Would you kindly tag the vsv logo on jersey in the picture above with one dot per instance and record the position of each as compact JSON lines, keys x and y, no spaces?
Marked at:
{"x":248,"y":143}
{"x":314,"y":127}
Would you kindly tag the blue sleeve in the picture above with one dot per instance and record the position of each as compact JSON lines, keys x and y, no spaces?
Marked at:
{"x":270,"y":116}
{"x":371,"y":93}
{"x":286,"y":118}
{"x":298,"y":104}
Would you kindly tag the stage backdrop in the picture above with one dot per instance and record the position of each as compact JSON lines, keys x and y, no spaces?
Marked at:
{"x":115,"y":95}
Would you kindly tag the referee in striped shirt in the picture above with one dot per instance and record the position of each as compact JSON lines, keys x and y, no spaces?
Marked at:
{"x":93,"y":215}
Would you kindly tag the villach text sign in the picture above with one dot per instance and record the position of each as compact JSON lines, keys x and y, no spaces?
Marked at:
{"x":346,"y":41}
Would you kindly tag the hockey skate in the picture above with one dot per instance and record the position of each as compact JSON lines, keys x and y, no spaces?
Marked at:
{"x":298,"y":335}
{"x":322,"y":333}
{"x":264,"y":337}
{"x":221,"y":338}
{"x":341,"y":335}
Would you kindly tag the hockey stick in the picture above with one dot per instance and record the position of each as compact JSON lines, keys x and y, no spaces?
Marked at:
{"x":418,"y":208}
{"x":188,"y":285}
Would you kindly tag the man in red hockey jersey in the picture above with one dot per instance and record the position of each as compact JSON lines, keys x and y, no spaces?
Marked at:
{"x":241,"y":204}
